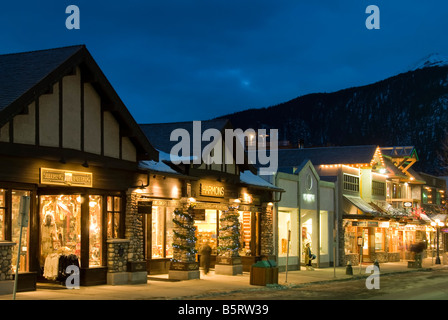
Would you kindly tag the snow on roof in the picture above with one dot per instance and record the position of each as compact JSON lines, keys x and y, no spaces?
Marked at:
{"x":248,"y":177}
{"x":156,"y":166}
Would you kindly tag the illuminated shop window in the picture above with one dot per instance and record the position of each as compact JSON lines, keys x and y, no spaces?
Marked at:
{"x":15,"y":234}
{"x":206,"y":230}
{"x":113,"y":217}
{"x":60,"y":225}
{"x":95,"y":231}
{"x":158,"y":222}
{"x":169,"y":232}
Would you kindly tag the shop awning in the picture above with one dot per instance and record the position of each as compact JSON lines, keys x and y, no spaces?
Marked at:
{"x":362,"y":205}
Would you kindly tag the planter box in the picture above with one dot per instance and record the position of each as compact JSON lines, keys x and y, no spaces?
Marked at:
{"x":263,"y":276}
{"x":27,"y":281}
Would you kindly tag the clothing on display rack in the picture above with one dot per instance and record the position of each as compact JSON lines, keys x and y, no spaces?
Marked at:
{"x":64,"y":262}
{"x":56,"y":265}
{"x":51,"y":266}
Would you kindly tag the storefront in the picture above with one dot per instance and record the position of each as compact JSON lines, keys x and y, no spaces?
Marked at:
{"x":222,"y":203}
{"x":70,"y":145}
{"x":304,"y":215}
{"x":211,"y":200}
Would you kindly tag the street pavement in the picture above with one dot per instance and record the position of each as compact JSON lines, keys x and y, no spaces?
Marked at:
{"x":159,"y":287}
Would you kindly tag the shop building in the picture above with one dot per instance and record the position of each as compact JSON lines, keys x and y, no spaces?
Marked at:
{"x":379,"y":200}
{"x":213,"y":194}
{"x":304,"y":215}
{"x":68,"y":142}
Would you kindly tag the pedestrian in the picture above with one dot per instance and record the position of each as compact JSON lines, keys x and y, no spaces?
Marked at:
{"x":309,"y":257}
{"x":206,"y":252}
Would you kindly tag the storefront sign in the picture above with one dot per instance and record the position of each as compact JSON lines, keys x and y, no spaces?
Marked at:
{"x":407,"y":204}
{"x":211,"y":190}
{"x":308,"y":197}
{"x":144,"y":207}
{"x":199,"y":214}
{"x":65,"y":178}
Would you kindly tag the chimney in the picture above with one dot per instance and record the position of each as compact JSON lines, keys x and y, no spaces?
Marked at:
{"x":301,"y":144}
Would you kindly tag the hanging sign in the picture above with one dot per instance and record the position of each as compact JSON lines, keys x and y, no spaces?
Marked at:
{"x":144,"y":207}
{"x":65,"y":178}
{"x":211,"y":190}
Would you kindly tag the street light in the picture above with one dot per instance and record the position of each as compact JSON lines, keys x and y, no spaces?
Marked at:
{"x":437,"y":224}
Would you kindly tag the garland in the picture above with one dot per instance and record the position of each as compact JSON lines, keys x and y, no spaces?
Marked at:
{"x":184,"y":239}
{"x":229,"y":233}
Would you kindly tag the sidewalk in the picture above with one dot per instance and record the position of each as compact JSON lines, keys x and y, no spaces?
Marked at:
{"x":160,"y":287}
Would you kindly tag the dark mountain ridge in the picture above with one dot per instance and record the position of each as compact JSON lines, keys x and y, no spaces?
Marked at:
{"x":406,"y":109}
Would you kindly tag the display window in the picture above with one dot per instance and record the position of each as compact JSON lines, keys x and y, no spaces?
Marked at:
{"x":350,"y":240}
{"x":60,"y":225}
{"x":380,"y":235}
{"x":169,"y":232}
{"x":113,"y":216}
{"x":16,"y":196}
{"x":394,"y":240}
{"x":307,"y":233}
{"x":246,"y":235}
{"x":206,"y":230}
{"x":95,"y":231}
{"x":284,"y":226}
{"x":324,"y":230}
{"x":158,"y":227}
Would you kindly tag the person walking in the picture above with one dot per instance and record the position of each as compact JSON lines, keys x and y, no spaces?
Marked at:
{"x":309,"y":257}
{"x":206,"y":252}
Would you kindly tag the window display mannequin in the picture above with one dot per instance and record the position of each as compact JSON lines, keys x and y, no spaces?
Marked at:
{"x":49,"y":235}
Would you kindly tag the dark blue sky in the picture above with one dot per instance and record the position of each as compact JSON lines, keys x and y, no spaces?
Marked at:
{"x":177,"y":60}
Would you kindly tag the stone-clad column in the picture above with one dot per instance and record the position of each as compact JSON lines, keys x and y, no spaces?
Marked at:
{"x":134,"y":228}
{"x":228,"y":260}
{"x":267,"y":232}
{"x":6,"y":274}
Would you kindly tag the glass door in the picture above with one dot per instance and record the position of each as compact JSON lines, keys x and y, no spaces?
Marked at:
{"x":16,"y":196}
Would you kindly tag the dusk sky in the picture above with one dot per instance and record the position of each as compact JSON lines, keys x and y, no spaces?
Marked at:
{"x":172,"y":60}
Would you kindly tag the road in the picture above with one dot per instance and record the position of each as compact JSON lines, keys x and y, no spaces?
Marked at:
{"x":422,"y":285}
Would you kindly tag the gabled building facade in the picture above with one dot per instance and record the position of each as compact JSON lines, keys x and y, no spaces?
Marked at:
{"x":69,"y":144}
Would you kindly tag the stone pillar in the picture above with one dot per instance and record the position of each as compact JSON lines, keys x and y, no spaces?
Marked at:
{"x":184,"y":265}
{"x":228,"y":261}
{"x":134,"y":233}
{"x":6,"y":275}
{"x":134,"y":228}
{"x":117,"y":259}
{"x":267,"y":233}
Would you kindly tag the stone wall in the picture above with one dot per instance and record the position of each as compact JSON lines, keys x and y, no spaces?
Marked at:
{"x":267,"y":232}
{"x":134,"y":228}
{"x":5,"y":260}
{"x":117,"y":255}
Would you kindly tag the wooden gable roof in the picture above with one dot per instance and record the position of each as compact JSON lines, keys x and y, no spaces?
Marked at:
{"x":26,"y":76}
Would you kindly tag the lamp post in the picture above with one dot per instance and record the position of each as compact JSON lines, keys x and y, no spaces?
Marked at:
{"x":437,"y":224}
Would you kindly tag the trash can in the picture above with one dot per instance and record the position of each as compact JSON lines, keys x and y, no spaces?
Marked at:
{"x":264,"y":272}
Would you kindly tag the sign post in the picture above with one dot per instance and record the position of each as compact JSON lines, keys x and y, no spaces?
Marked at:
{"x":287,"y":255}
{"x":23,"y":222}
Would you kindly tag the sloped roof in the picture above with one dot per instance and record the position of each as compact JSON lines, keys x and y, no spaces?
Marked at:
{"x":250,"y":179}
{"x":21,"y":71}
{"x":159,"y":134}
{"x":326,"y":155}
{"x":27,"y":75}
{"x":399,"y":152}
